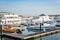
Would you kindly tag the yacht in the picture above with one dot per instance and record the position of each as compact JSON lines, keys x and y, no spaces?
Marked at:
{"x":46,"y":23}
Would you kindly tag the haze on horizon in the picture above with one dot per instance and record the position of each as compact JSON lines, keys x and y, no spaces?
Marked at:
{"x":30,"y":7}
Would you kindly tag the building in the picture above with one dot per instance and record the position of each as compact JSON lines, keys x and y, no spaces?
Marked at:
{"x":7,"y":18}
{"x":26,"y":20}
{"x":56,"y":17}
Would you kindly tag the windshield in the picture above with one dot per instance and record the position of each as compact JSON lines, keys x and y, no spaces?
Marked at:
{"x":49,"y":22}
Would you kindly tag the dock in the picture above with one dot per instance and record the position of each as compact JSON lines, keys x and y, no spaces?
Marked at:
{"x":35,"y":35}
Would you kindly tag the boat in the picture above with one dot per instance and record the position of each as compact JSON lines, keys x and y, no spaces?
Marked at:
{"x":12,"y":30}
{"x":44,"y":22}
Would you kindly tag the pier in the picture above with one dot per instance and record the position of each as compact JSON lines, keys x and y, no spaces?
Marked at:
{"x":35,"y":35}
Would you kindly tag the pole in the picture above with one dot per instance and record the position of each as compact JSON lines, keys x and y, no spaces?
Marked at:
{"x":40,"y":26}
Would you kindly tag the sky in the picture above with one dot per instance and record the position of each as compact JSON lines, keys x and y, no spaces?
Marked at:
{"x":31,"y":7}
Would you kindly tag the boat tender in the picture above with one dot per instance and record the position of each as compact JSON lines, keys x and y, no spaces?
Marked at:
{"x":12,"y":30}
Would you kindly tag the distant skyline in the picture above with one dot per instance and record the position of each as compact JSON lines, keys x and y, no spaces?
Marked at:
{"x":30,"y":7}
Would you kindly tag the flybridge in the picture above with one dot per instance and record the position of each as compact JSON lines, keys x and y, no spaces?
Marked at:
{"x":45,"y":18}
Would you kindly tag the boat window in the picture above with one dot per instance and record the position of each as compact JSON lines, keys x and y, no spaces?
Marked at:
{"x":48,"y":22}
{"x":45,"y":22}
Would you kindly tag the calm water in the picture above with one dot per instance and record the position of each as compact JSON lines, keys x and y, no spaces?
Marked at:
{"x":51,"y":37}
{"x":0,"y":38}
{"x":26,"y":32}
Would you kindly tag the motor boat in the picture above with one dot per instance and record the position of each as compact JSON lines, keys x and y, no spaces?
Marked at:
{"x":46,"y":25}
{"x":12,"y":30}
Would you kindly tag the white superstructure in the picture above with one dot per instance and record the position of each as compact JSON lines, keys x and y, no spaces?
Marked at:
{"x":42,"y":18}
{"x":9,"y":18}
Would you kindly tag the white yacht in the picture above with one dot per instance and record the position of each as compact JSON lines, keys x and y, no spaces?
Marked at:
{"x":46,"y":21}
{"x":47,"y":24}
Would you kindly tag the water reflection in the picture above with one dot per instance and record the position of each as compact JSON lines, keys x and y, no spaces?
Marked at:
{"x":6,"y":38}
{"x":0,"y":37}
{"x":51,"y":37}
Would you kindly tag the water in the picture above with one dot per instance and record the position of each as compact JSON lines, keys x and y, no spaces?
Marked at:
{"x":51,"y":37}
{"x":0,"y":37}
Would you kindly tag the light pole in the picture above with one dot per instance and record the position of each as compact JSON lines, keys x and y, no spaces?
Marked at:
{"x":40,"y":26}
{"x":40,"y":23}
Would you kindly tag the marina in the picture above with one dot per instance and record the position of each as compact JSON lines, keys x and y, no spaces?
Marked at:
{"x":29,"y":19}
{"x":28,"y":27}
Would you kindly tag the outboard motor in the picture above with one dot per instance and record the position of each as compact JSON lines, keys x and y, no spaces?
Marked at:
{"x":19,"y":31}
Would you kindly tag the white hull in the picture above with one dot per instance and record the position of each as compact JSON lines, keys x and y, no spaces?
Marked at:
{"x":47,"y":27}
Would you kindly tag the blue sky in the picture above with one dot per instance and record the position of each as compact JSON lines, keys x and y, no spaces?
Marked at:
{"x":30,"y":7}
